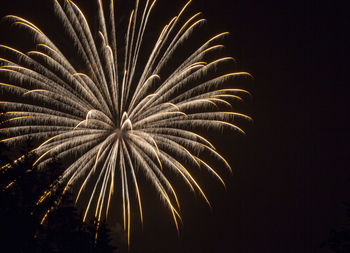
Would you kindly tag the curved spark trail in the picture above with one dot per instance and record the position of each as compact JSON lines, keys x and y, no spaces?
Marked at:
{"x":121,"y":120}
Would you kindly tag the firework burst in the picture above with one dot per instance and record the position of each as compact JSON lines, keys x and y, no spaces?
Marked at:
{"x":120,"y":119}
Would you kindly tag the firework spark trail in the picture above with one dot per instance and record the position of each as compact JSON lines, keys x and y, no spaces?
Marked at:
{"x":119,"y":125}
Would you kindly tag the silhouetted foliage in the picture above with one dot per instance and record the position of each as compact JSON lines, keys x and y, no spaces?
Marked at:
{"x":339,"y":240}
{"x":62,"y":231}
{"x":18,"y":227}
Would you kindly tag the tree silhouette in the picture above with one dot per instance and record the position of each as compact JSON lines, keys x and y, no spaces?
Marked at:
{"x":64,"y":231}
{"x":20,"y":229}
{"x":339,"y":240}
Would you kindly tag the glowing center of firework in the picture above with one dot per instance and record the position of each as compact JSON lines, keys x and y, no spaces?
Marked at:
{"x":125,"y":124}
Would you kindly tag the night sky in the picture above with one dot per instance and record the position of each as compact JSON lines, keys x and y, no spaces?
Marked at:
{"x":290,"y":175}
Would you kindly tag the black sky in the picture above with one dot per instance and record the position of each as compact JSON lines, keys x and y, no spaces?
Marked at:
{"x":290,"y":170}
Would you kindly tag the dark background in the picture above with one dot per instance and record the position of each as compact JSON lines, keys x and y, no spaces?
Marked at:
{"x":290,"y":174}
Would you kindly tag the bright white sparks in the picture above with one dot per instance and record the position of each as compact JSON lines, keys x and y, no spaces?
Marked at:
{"x":120,"y":120}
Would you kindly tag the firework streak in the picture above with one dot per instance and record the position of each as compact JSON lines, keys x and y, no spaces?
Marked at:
{"x":120,"y":120}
